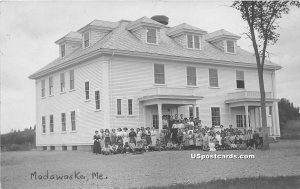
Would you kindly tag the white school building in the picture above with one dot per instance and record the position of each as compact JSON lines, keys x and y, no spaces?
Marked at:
{"x":131,"y":73}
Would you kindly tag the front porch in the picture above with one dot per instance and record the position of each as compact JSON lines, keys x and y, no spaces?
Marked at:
{"x":161,"y":101}
{"x":245,"y":111}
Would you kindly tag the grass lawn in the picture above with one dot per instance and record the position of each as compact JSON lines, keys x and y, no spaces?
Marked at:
{"x":277,"y":168}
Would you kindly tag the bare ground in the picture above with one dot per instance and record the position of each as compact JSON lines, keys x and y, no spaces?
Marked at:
{"x":149,"y":169}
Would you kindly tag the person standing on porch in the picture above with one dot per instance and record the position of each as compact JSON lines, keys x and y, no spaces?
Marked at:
{"x":164,"y":122}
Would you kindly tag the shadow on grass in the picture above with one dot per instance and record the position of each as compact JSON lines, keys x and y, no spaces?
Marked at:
{"x":288,"y":182}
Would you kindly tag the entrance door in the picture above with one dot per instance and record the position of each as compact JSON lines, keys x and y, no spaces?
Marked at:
{"x":241,"y":121}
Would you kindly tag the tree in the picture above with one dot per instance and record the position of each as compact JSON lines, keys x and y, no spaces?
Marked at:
{"x":287,"y":111}
{"x":262,"y":20}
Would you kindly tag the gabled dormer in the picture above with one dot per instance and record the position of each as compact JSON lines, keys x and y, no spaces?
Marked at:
{"x":69,"y":43}
{"x":147,"y":30}
{"x":224,"y":40}
{"x":95,"y":31}
{"x":187,"y":36}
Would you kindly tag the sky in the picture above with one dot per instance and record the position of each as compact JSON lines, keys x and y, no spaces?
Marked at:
{"x":28,"y":31}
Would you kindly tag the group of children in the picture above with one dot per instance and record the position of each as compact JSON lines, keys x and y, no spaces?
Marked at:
{"x":177,"y":134}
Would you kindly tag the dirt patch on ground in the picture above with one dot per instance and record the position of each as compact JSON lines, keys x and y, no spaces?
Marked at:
{"x":149,"y":169}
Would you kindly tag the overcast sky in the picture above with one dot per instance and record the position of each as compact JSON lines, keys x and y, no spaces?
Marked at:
{"x":28,"y":31}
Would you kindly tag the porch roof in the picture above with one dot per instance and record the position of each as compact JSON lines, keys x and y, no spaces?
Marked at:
{"x":167,"y":95}
{"x":249,"y":98}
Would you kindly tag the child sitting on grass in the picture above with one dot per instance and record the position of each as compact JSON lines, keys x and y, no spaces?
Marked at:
{"x":139,"y":149}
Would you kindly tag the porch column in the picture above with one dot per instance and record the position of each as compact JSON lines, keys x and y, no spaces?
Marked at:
{"x":159,"y":106}
{"x":144,"y":113}
{"x":194,"y":111}
{"x":230,"y":117}
{"x":247,"y":116}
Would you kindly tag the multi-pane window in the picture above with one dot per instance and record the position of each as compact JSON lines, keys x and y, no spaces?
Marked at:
{"x":213,"y":78}
{"x":86,"y":39}
{"x":239,"y":121}
{"x":73,"y":120}
{"x":44,"y":124}
{"x":63,"y":50}
{"x":50,"y":86}
{"x":119,"y":106}
{"x":197,"y":112}
{"x":97,"y":100}
{"x":155,"y":121}
{"x":193,"y":41}
{"x":191,"y":76}
{"x":240,"y":82}
{"x":159,"y":73}
{"x":190,"y":41}
{"x":51,"y":123}
{"x":230,"y":46}
{"x":129,"y":106}
{"x":43,"y":88}
{"x":87,"y":90}
{"x":151,"y":36}
{"x":72,"y":82}
{"x":215,"y":116}
{"x":63,"y":121}
{"x":62,"y":82}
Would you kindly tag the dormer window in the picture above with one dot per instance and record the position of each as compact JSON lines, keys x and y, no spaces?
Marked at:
{"x":230,"y":48}
{"x":193,"y":41}
{"x":86,"y":39}
{"x":151,"y":36}
{"x":63,"y":50}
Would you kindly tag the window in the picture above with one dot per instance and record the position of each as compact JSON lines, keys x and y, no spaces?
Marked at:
{"x":43,"y":88}
{"x":64,"y":148}
{"x":191,"y":113}
{"x":86,"y":39}
{"x":270,"y":110}
{"x":73,"y":121}
{"x":230,"y":46}
{"x":193,"y":41}
{"x":215,"y":116}
{"x":51,"y":124}
{"x":72,"y":80}
{"x":63,"y":50}
{"x":129,"y":106}
{"x":97,"y":100}
{"x":50,"y":86}
{"x":155,"y":121}
{"x":213,"y":78}
{"x":240,"y":121}
{"x":151,"y":36}
{"x":197,"y":112}
{"x":74,"y":148}
{"x":52,"y":148}
{"x":87,"y":90}
{"x":44,"y":147}
{"x":191,"y":76}
{"x":62,"y":82}
{"x":44,"y":124}
{"x":63,"y":122}
{"x":190,"y":41}
{"x":159,"y":74}
{"x":240,"y":82}
{"x":119,"y":106}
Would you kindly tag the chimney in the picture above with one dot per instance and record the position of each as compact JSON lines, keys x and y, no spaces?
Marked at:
{"x":161,"y":19}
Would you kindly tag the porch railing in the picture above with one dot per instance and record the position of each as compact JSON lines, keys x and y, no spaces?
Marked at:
{"x":247,"y":94}
{"x":168,"y":91}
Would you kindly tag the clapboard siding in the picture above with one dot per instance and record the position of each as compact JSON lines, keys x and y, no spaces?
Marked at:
{"x":124,"y":78}
{"x":87,"y":119}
